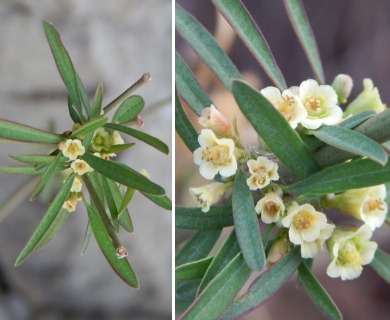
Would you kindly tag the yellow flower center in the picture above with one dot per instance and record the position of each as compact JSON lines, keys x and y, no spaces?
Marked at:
{"x":302,"y":220}
{"x":349,"y":255}
{"x":217,"y":154}
{"x":312,"y":104}
{"x":73,"y":148}
{"x":271,"y":208}
{"x":285,"y":107}
{"x":374,"y":204}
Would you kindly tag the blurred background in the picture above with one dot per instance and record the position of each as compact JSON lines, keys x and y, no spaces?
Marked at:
{"x":115,"y":43}
{"x":353,"y":38}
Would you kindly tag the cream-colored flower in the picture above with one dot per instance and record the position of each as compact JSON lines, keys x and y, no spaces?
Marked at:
{"x":207,"y":195}
{"x":311,"y":249}
{"x":77,"y":185}
{"x":320,"y":102}
{"x":342,"y":84}
{"x":213,"y":119}
{"x":368,"y":99}
{"x":73,"y":149}
{"x":366,"y":204}
{"x":287,"y":103}
{"x":304,"y":223}
{"x":80,"y":167}
{"x":262,"y":171}
{"x":71,"y":203}
{"x":101,"y":140}
{"x":350,"y":249}
{"x":270,"y":207}
{"x":215,"y":155}
{"x":116,"y":138}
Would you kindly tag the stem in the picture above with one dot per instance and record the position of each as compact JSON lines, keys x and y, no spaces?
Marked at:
{"x":141,"y":81}
{"x":102,"y":212}
{"x":376,"y":128}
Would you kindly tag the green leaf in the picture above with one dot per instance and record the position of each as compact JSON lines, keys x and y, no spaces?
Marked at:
{"x":112,"y":206}
{"x":381,"y":264}
{"x":129,"y":109}
{"x":87,"y":237}
{"x":345,"y":176}
{"x":317,"y":294}
{"x":351,"y":141}
{"x":44,"y":225}
{"x":51,"y":168}
{"x":164,"y":202}
{"x":117,"y":148}
{"x":97,"y":102}
{"x":193,"y":270}
{"x":246,"y":223}
{"x":20,"y":132}
{"x":225,"y":254}
{"x":97,"y":186}
{"x":75,"y":111}
{"x":28,"y":170}
{"x":194,"y":218}
{"x":54,"y":228}
{"x":83,"y":95}
{"x":206,"y":47}
{"x":186,"y":290}
{"x":198,"y":247}
{"x":183,"y":126}
{"x":126,"y":199}
{"x":32,"y":158}
{"x":148,"y":139}
{"x":120,"y":266}
{"x":189,"y":88}
{"x":357,"y":119}
{"x":274,"y":129}
{"x":125,"y":221}
{"x":220,"y":292}
{"x":64,"y":64}
{"x":302,"y":28}
{"x":265,"y":286}
{"x":123,"y":174}
{"x":88,"y":127}
{"x":241,"y":21}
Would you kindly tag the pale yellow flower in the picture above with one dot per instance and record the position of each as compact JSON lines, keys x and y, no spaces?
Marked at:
{"x":116,"y":138}
{"x":77,"y":185}
{"x":262,"y":171}
{"x":287,"y":103}
{"x":73,"y":149}
{"x":207,"y":195}
{"x":215,"y":155}
{"x":350,"y":249}
{"x":80,"y":167}
{"x":213,"y":119}
{"x":311,"y":249}
{"x":320,"y":102}
{"x":101,"y":140}
{"x":71,"y":203}
{"x":270,"y":207}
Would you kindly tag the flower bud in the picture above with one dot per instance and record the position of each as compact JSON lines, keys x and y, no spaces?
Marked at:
{"x":368,"y":99}
{"x":212,"y":119}
{"x":278,"y":250}
{"x":342,"y":84}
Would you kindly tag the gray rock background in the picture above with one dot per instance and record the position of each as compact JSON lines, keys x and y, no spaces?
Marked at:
{"x":114,"y":42}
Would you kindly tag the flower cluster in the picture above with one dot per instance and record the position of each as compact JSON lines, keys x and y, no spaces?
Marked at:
{"x":298,"y":222}
{"x":102,"y":142}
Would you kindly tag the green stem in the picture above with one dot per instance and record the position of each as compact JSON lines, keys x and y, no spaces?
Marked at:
{"x":377,"y":128}
{"x":102,"y":212}
{"x":145,"y":78}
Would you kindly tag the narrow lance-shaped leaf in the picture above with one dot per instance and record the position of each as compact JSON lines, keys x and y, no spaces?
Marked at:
{"x":189,"y":89}
{"x":246,"y":223}
{"x":206,"y":47}
{"x":217,"y":296}
{"x":20,"y":132}
{"x":32,"y":158}
{"x":120,"y":266}
{"x":162,"y":201}
{"x":345,"y":176}
{"x":381,"y":264}
{"x":241,"y":21}
{"x":87,"y":238}
{"x":51,"y":168}
{"x":88,"y":127}
{"x":63,"y":62}
{"x":148,"y":139}
{"x":351,"y":141}
{"x":47,"y":220}
{"x":83,"y":95}
{"x":317,"y":294}
{"x":274,"y":129}
{"x":186,"y":291}
{"x":198,"y":247}
{"x":302,"y":28}
{"x":110,"y":203}
{"x":123,"y":174}
{"x":264,"y":286}
{"x":97,"y":102}
{"x":184,"y":127}
{"x":193,"y":270}
{"x":129,"y":108}
{"x":195,"y":218}
{"x":27,"y":170}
